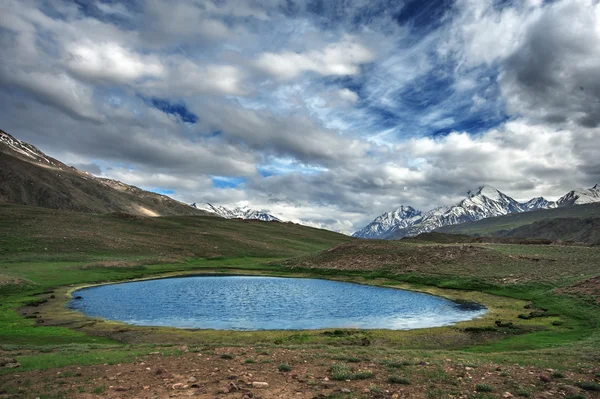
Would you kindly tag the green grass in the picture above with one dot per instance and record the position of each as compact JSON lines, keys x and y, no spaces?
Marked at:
{"x":284,"y":367}
{"x":483,"y":388}
{"x":394,"y":379}
{"x":343,"y":372}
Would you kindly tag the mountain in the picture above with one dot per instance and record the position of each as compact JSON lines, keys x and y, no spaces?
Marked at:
{"x":484,"y":203}
{"x":580,"y":196}
{"x":538,"y":203}
{"x":30,"y":177}
{"x":236,"y":213}
{"x":568,"y":223}
{"x":401,"y":218}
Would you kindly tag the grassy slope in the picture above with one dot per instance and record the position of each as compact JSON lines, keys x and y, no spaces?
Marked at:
{"x":30,"y":234}
{"x":495,"y":225}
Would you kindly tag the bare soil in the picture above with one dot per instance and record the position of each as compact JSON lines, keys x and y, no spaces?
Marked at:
{"x":241,"y":373}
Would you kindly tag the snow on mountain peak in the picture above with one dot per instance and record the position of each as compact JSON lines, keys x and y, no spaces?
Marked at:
{"x":489,"y":192}
{"x":387,"y":222}
{"x":580,"y":196}
{"x":243,"y":212}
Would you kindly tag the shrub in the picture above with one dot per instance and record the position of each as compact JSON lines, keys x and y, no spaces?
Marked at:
{"x":589,"y":386}
{"x":284,"y":367}
{"x":340,"y":372}
{"x":362,"y":375}
{"x":226,"y":356}
{"x":394,"y":379}
{"x":558,"y":374}
{"x":483,"y":388}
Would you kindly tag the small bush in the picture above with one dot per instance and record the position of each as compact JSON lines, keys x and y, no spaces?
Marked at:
{"x":226,"y":356}
{"x":362,"y":375}
{"x":249,"y":361}
{"x":375,"y":389}
{"x":394,"y":379}
{"x":523,"y":393}
{"x":589,"y":386}
{"x":340,"y":372}
{"x":284,"y":367}
{"x":99,"y":390}
{"x":483,"y":388}
{"x":576,"y":396}
{"x":558,"y":374}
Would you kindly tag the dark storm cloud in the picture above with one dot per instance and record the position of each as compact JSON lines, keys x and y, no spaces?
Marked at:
{"x":555,"y":74}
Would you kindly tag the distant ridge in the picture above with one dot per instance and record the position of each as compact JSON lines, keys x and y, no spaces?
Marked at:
{"x":485,"y":202}
{"x":30,"y":177}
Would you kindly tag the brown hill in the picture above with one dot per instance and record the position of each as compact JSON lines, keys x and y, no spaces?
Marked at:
{"x":30,"y":177}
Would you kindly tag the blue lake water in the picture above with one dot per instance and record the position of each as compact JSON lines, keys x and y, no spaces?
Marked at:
{"x":267,"y":303}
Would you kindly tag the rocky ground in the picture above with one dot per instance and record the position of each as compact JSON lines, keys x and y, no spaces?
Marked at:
{"x":245,"y":373}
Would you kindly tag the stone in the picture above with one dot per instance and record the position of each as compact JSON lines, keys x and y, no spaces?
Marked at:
{"x":545,"y":378}
{"x":345,"y":390}
{"x":12,"y":365}
{"x":232,"y":387}
{"x":260,"y":384}
{"x":192,"y":379}
{"x":6,"y":360}
{"x":507,"y":395}
{"x":178,"y":385}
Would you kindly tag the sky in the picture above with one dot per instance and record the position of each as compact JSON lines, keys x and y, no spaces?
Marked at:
{"x":322,"y":112}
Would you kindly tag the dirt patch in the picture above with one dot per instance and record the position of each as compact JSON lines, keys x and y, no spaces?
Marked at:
{"x":246,"y":372}
{"x":116,"y":264}
{"x":13,"y":284}
{"x":588,"y":289}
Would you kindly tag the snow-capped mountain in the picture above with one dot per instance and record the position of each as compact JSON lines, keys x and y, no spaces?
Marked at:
{"x":400,"y":218}
{"x":236,"y":213}
{"x":538,"y":203}
{"x":580,"y":196}
{"x":484,"y":203}
{"x":27,"y":150}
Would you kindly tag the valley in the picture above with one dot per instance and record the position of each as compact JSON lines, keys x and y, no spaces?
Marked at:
{"x":539,"y":337}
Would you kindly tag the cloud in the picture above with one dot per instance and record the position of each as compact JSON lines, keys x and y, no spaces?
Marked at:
{"x":555,"y":74}
{"x":91,"y":168}
{"x":325,"y":113}
{"x":110,"y":62}
{"x":338,"y":59}
{"x":57,"y":90}
{"x":348,"y":95}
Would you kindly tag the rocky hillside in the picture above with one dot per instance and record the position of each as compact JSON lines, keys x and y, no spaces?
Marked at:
{"x":30,"y":177}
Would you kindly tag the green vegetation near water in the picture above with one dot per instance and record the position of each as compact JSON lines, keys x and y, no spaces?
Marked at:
{"x":43,"y":250}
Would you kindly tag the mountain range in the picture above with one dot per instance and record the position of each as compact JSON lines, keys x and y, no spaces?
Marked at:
{"x":484,"y":203}
{"x":30,"y":177}
{"x":236,"y":213}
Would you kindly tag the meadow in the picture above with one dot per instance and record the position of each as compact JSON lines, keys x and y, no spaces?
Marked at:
{"x":538,"y":318}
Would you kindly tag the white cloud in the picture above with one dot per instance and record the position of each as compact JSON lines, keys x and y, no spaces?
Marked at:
{"x":341,"y":58}
{"x":110,"y":62}
{"x":186,"y":78}
{"x":348,"y":95}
